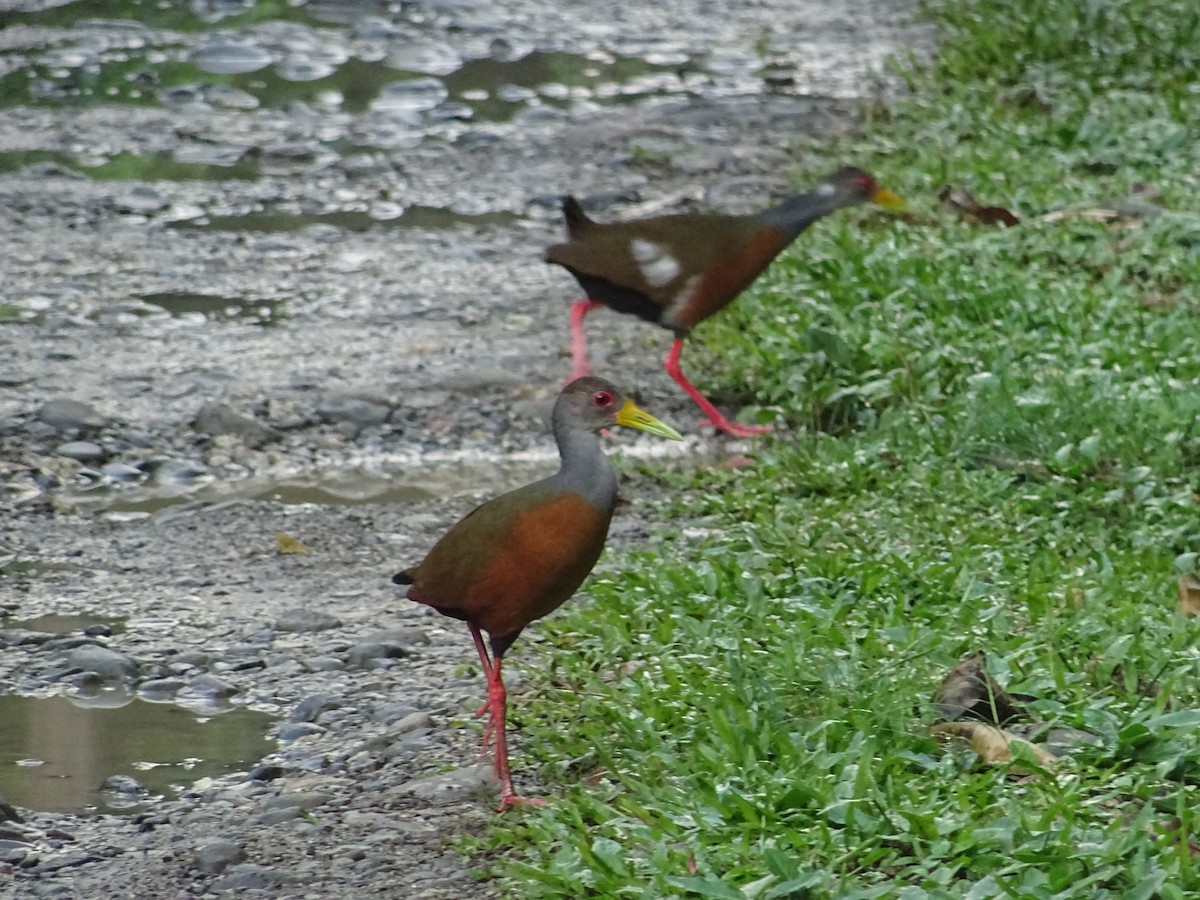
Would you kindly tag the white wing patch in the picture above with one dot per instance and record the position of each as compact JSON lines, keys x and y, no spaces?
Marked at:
{"x":680,"y":301}
{"x":658,"y":266}
{"x":824,"y":189}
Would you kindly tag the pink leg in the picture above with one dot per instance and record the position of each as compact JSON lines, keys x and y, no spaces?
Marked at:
{"x":715,"y":418}
{"x":579,"y":354}
{"x":498,"y":707}
{"x":486,"y":661}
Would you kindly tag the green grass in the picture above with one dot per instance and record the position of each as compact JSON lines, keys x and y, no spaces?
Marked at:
{"x":994,"y":445}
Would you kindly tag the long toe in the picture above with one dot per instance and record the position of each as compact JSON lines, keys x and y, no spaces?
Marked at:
{"x":509,"y":800}
{"x":733,"y":429}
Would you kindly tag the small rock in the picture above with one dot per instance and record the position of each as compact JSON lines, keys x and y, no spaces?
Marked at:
{"x":140,"y":200}
{"x":384,"y":645}
{"x":265,"y":772}
{"x":128,"y":789}
{"x":108,"y":664}
{"x":279,"y":816}
{"x":83,"y":451}
{"x":298,"y":800}
{"x":296,"y":730}
{"x":302,"y":620}
{"x":357,"y":411}
{"x":323,"y":664}
{"x":161,"y":686}
{"x":210,"y":686}
{"x":217,"y":856}
{"x":308,"y":709}
{"x":448,"y":787}
{"x":71,"y":415}
{"x":8,"y":812}
{"x":393,"y":712}
{"x":247,"y":877}
{"x":216,"y":419}
{"x":411,"y":722}
{"x":119,"y":473}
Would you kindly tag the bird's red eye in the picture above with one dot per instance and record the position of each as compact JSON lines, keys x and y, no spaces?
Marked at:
{"x":602,"y":398}
{"x":867,"y":183}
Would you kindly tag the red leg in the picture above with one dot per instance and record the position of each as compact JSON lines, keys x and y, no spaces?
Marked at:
{"x":715,"y":418}
{"x":486,"y":661}
{"x":579,"y":354}
{"x":497,"y":706}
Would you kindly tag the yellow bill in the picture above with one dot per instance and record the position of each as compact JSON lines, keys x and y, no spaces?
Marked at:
{"x":888,"y":200}
{"x":631,"y":416}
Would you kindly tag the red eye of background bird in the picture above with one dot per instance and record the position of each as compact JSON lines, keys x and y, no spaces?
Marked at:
{"x":866,"y":182}
{"x":602,"y":398}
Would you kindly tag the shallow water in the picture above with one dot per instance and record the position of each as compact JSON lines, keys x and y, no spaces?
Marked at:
{"x":56,"y":752}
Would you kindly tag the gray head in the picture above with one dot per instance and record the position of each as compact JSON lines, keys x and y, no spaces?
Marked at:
{"x":591,"y":404}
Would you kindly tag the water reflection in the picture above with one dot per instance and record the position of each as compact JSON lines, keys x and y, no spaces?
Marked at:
{"x":56,"y":752}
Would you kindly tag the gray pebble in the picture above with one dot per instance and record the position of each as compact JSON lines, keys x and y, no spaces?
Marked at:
{"x":83,"y":451}
{"x":161,"y":686}
{"x":302,"y":620}
{"x":448,"y":787}
{"x":210,"y":686}
{"x":71,"y":415}
{"x":295,"y":730}
{"x":140,"y":200}
{"x":356,"y":411}
{"x":323,"y":664}
{"x":119,"y":473}
{"x":108,"y":664}
{"x":298,"y":800}
{"x":217,"y":856}
{"x":393,"y":712}
{"x":127,"y":787}
{"x":247,"y":877}
{"x":308,"y":709}
{"x":279,"y":816}
{"x":412,"y":722}
{"x":220,"y":418}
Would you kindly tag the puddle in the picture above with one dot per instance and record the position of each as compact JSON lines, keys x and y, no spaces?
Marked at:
{"x":183,"y":303}
{"x":400,"y":479}
{"x":420,"y":82}
{"x":63,"y":623}
{"x":135,"y":166}
{"x":30,"y":567}
{"x":56,"y":752}
{"x":429,"y":217}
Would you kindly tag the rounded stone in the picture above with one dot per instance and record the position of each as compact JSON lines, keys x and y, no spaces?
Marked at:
{"x":83,"y":451}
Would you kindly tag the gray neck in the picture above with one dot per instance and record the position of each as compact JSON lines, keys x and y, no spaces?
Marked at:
{"x":793,"y":216}
{"x":585,"y":468}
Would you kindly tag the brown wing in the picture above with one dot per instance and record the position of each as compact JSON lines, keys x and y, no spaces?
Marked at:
{"x":513,"y":560}
{"x":662,"y":262}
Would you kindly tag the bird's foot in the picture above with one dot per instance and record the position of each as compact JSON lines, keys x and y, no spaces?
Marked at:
{"x":733,"y":429}
{"x":509,"y":799}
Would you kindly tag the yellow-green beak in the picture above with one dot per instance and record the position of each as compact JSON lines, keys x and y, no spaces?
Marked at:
{"x":631,"y":416}
{"x":888,"y":200}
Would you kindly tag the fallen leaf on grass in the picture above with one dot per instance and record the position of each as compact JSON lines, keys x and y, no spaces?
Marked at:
{"x":286,"y":545}
{"x":1189,"y":595}
{"x":991,"y":744}
{"x":969,"y":692}
{"x":961,"y":200}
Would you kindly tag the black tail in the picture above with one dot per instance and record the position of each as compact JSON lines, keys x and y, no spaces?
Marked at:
{"x":577,"y":219}
{"x":402,"y":578}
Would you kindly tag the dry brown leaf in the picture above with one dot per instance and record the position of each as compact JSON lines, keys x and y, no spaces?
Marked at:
{"x":969,"y":692}
{"x":286,"y":545}
{"x":1189,"y":594}
{"x":991,"y":744}
{"x":961,"y":200}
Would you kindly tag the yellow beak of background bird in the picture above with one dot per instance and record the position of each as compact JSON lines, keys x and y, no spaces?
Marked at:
{"x":888,"y":200}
